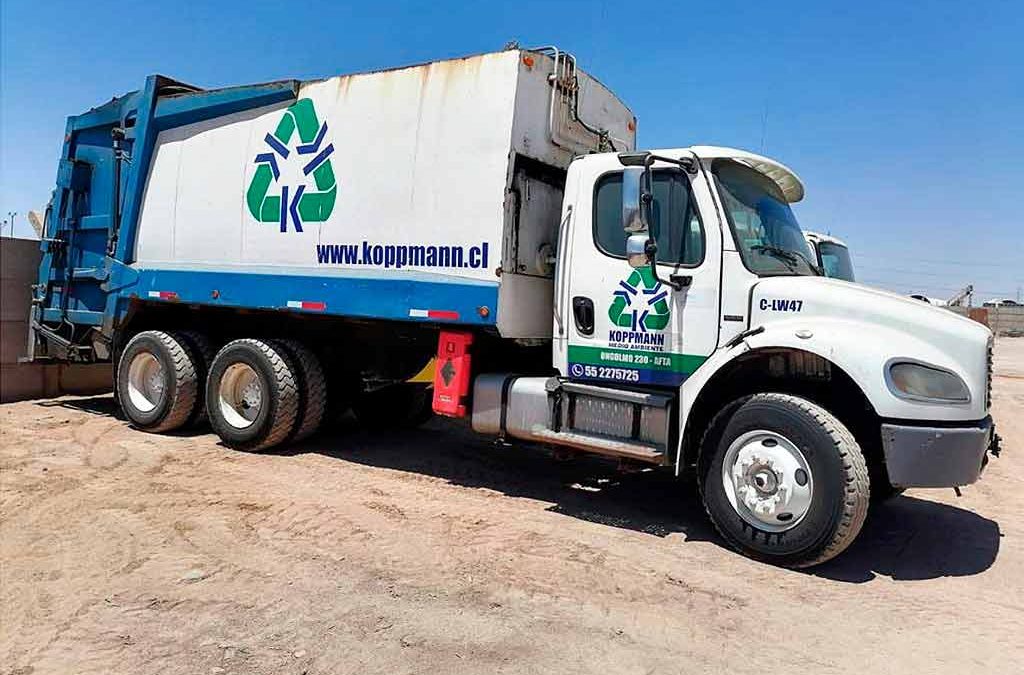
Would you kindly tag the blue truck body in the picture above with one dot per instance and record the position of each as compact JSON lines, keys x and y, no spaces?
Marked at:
{"x":88,"y":279}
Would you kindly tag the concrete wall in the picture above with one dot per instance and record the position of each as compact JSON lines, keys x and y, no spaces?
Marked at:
{"x":19,"y":260}
{"x":1004,"y":321}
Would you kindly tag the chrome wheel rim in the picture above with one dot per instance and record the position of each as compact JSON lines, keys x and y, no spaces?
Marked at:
{"x":240,"y":395}
{"x":146,"y":382}
{"x":767,"y":480}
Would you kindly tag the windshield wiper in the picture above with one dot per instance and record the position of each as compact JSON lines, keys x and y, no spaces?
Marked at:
{"x":787,"y":255}
{"x":814,"y":268}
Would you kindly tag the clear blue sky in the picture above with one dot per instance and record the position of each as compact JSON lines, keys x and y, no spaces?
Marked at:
{"x":905,"y":123}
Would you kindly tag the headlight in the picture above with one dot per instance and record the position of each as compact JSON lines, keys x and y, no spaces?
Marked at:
{"x":918,"y":381}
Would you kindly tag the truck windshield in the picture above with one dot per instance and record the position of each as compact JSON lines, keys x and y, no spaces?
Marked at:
{"x":769,"y":238}
{"x":835,"y":260}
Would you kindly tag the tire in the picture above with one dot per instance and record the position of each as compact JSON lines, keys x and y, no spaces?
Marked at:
{"x":752,"y":456}
{"x":252,"y":395}
{"x":312,"y":388}
{"x":157,"y":381}
{"x":401,"y":406}
{"x":204,"y":351}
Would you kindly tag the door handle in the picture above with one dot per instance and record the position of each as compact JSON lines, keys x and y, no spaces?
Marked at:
{"x":681,"y":281}
{"x":583,"y":312}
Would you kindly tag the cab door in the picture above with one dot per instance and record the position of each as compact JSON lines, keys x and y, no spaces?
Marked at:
{"x":624,"y":326}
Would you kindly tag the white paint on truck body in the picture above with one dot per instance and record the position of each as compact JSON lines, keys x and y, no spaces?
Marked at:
{"x":424,"y":156}
{"x":862,"y":329}
{"x":858,"y":329}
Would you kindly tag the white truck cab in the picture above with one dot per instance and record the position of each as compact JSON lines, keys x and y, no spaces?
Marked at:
{"x":692,"y":328}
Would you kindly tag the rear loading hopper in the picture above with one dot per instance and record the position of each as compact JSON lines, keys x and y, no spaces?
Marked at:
{"x":425,"y":193}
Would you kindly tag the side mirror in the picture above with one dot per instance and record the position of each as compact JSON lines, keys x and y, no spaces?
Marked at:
{"x":636,"y":250}
{"x":632,"y":199}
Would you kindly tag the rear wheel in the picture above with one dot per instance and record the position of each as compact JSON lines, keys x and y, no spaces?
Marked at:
{"x":252,"y":394}
{"x":204,"y":352}
{"x":783,"y":480}
{"x":312,"y":388}
{"x":157,"y":381}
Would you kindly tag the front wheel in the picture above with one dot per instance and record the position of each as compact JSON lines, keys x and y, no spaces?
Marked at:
{"x":783,"y":480}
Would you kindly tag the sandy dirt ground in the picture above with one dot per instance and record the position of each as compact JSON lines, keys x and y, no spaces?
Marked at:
{"x":437,"y":552}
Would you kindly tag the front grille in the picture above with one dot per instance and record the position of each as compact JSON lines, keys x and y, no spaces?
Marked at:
{"x":988,"y":376}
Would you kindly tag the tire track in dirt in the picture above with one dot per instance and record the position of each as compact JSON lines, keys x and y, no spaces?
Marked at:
{"x":438,"y":552}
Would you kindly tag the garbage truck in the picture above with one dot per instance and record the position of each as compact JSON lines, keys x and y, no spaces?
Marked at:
{"x":480,"y":238}
{"x":831,"y":255}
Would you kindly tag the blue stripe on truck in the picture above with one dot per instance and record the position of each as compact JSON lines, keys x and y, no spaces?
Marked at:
{"x":368,"y":294}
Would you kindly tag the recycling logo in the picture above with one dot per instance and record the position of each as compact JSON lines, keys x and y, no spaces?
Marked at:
{"x":640,"y":303}
{"x":299,"y":137}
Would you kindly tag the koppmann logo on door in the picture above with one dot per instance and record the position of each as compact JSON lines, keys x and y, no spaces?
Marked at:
{"x":308,"y":197}
{"x":640,"y":310}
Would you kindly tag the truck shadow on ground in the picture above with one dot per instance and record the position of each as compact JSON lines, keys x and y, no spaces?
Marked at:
{"x":911,"y":539}
{"x":586,"y":487}
{"x":904,"y":539}
{"x":94,"y":405}
{"x":105,"y":406}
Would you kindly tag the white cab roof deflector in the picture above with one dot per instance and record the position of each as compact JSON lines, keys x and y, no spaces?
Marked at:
{"x":824,"y":238}
{"x":783,"y":176}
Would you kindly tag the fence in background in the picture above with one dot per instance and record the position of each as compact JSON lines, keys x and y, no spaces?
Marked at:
{"x":1003,"y":321}
{"x":19,"y":263}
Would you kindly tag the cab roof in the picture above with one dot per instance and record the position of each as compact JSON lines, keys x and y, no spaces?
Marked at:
{"x":789,"y":183}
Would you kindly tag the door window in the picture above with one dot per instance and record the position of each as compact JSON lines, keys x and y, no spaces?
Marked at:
{"x":675,"y":221}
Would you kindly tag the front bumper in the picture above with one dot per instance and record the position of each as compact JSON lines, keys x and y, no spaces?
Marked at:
{"x":923,"y":456}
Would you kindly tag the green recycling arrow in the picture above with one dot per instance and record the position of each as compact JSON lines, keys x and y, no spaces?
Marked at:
{"x":643,"y":290}
{"x":311,"y":148}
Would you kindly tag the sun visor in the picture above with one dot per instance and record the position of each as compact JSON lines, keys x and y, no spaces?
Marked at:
{"x":788,"y":182}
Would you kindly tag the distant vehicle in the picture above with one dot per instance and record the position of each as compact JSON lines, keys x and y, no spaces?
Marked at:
{"x":938,"y":302}
{"x":1005,"y":302}
{"x":831,"y":255}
